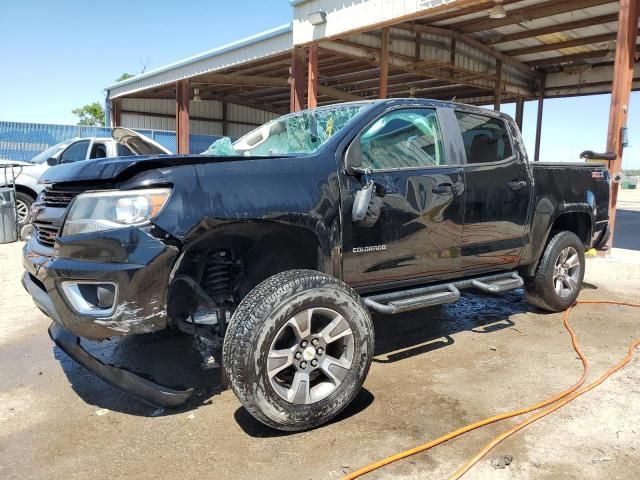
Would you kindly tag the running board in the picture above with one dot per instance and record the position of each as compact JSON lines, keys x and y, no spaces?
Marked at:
{"x":422,"y":297}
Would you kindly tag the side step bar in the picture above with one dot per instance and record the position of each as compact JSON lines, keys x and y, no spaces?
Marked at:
{"x":422,"y":297}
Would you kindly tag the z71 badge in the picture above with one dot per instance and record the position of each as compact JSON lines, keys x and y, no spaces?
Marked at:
{"x":597,"y":174}
{"x":373,"y":248}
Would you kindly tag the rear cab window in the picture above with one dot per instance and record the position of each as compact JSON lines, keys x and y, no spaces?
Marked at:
{"x":486,"y":139}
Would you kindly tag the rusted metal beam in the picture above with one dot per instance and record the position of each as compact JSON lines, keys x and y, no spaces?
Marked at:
{"x":530,"y":12}
{"x":384,"y":62}
{"x":116,"y":113}
{"x":452,"y":52}
{"x":225,"y":118}
{"x":312,"y":76}
{"x":478,"y":7}
{"x":574,"y":42}
{"x":620,"y":95}
{"x":497,"y":97}
{"x":406,"y":63}
{"x":545,"y":62}
{"x":183,"y":94}
{"x":555,"y":28}
{"x":296,"y":98}
{"x":452,"y":34}
{"x":536,"y":154}
{"x":519,"y":112}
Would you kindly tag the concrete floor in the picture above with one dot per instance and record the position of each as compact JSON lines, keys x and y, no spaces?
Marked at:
{"x":434,"y":371}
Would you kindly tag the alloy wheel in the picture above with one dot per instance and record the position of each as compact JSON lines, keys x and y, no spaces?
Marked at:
{"x":310,"y":356}
{"x":566,"y":272}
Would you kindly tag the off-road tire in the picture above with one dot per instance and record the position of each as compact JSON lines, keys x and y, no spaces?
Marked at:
{"x":256,"y":322}
{"x":539,"y":289}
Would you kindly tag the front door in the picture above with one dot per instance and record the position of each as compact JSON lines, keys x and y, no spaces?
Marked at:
{"x":498,"y":188}
{"x":417,"y":232}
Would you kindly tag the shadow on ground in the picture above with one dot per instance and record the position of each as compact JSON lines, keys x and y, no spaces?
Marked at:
{"x":173,"y":359}
{"x":626,"y":230}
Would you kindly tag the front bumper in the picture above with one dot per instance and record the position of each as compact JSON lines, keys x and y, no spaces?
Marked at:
{"x":134,"y":385}
{"x":132,"y":258}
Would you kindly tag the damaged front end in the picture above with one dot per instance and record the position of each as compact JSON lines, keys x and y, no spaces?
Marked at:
{"x":99,"y":285}
{"x":102,"y":285}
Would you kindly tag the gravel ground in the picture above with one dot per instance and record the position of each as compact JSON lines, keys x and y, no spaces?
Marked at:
{"x":434,"y":371}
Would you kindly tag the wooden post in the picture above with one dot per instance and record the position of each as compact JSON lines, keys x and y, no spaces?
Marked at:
{"x":519,"y":112}
{"x":182,"y":116}
{"x":116,"y":113}
{"x":225,"y":119}
{"x":497,"y":97}
{"x":536,"y":154}
{"x":620,"y":95}
{"x":384,"y":63}
{"x":312,"y":77}
{"x":297,"y":80}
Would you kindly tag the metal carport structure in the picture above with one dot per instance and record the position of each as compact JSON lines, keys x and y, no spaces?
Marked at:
{"x":335,"y":51}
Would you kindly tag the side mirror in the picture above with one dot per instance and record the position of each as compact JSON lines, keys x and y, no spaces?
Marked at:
{"x":353,"y":159}
{"x":52,"y":161}
{"x":367,"y":204}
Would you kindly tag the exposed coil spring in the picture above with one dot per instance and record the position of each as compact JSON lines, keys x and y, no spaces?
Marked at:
{"x":217,"y":276}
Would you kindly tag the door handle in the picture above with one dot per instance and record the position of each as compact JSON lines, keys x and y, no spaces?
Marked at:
{"x":517,"y":184}
{"x":443,"y":188}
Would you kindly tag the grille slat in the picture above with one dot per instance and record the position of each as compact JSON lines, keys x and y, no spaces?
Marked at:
{"x":46,"y":232}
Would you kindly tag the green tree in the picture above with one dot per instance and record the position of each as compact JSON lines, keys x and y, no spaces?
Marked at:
{"x":124,"y":76}
{"x":91,"y":115}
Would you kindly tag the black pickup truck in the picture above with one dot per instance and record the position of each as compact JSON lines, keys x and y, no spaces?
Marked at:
{"x":279,"y":245}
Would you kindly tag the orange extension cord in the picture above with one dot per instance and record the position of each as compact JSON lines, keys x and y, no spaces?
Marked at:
{"x":561,"y":398}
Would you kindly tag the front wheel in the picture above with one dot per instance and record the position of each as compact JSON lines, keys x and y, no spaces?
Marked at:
{"x":298,"y":349}
{"x":559,"y":276}
{"x":23,"y":205}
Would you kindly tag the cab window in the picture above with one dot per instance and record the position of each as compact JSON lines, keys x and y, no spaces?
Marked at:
{"x":404,"y":138}
{"x":98,"y":150}
{"x":76,"y":152}
{"x":486,"y":139}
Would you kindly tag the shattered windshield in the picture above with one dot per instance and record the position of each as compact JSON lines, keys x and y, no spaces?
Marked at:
{"x":296,"y":133}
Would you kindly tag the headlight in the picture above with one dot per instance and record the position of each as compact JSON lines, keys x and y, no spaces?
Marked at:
{"x":93,"y":212}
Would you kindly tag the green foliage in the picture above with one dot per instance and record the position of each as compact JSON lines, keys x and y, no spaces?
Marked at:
{"x":124,"y":76}
{"x":91,"y":115}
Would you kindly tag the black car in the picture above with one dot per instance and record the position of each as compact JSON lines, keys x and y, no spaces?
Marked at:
{"x":281,"y":243}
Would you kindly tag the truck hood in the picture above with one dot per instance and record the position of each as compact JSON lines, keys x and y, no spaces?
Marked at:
{"x":120,"y":168}
{"x":137,"y":143}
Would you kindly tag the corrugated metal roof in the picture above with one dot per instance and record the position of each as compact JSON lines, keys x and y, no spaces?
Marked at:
{"x":264,"y":44}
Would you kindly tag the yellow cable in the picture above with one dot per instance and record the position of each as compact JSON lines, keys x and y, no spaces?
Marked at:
{"x":566,"y":397}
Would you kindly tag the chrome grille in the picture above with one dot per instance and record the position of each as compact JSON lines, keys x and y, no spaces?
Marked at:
{"x":46,"y":233}
{"x":58,"y":198}
{"x":45,"y":223}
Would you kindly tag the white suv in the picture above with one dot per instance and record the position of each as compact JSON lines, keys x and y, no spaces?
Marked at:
{"x":124,"y":142}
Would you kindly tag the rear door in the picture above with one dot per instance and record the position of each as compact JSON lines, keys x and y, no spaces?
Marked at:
{"x":418,"y":230}
{"x":498,"y":189}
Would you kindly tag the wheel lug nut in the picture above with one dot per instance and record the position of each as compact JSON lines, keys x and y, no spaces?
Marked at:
{"x":304,"y":343}
{"x":298,"y":355}
{"x":303,"y":364}
{"x":315,"y":342}
{"x":314,"y":363}
{"x":320,"y":351}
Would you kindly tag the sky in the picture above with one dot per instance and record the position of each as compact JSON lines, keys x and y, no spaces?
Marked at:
{"x":56,"y":56}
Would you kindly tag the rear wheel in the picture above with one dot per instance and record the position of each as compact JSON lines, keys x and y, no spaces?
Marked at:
{"x":298,"y":349}
{"x":559,"y":276}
